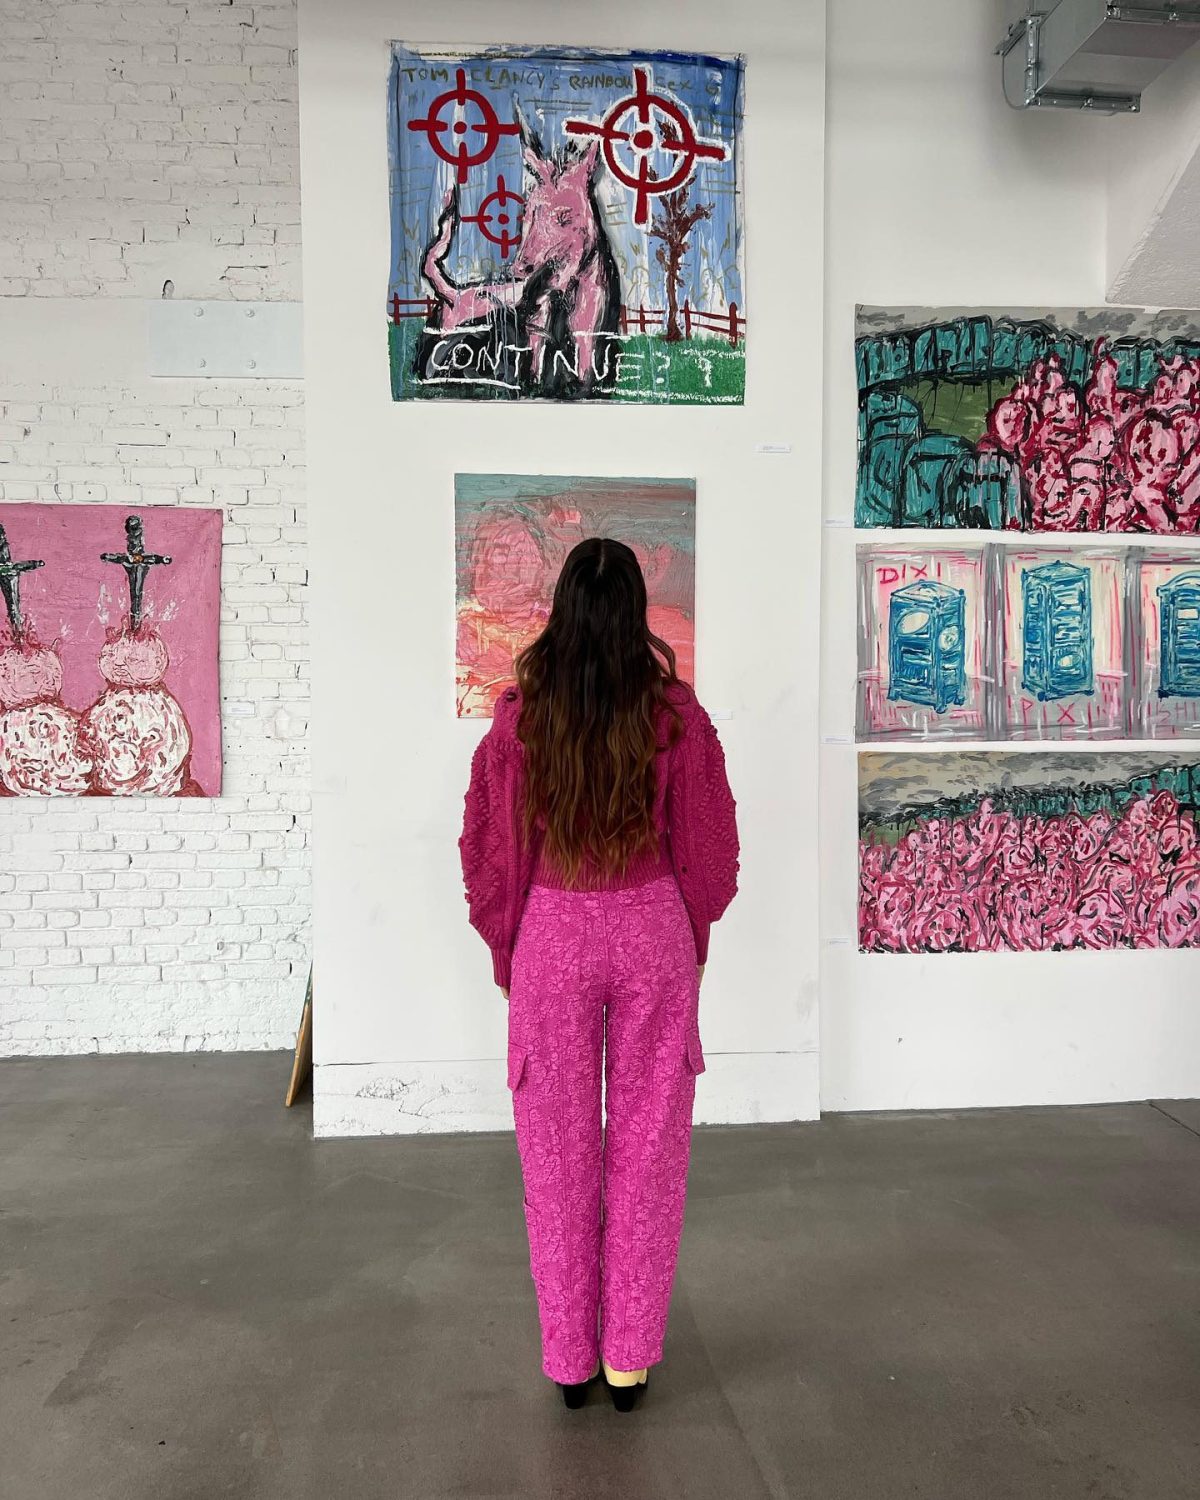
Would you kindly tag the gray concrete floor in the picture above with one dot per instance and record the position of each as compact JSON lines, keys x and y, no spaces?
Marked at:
{"x":197,"y":1301}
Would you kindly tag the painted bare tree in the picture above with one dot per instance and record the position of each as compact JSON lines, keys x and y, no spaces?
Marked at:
{"x":673,"y":226}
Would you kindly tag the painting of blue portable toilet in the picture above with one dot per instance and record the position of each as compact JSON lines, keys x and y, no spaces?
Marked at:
{"x":1179,"y":637}
{"x":926,"y":652}
{"x":1057,"y":629}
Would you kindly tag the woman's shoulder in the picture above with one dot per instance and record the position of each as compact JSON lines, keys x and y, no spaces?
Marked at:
{"x":506,"y":714}
{"x":681,"y":696}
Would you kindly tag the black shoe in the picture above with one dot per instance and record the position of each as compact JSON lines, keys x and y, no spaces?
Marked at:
{"x":575,"y":1395}
{"x":624,"y":1397}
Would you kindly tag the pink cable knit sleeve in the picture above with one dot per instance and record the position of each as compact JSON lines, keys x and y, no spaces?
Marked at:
{"x":496,"y":866}
{"x":701,"y":824}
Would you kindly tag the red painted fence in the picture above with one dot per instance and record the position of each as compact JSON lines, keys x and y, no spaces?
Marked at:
{"x":650,"y":319}
{"x":410,"y":307}
{"x":729,"y":324}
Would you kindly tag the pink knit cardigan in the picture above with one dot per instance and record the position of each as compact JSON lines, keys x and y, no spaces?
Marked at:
{"x":694,"y":814}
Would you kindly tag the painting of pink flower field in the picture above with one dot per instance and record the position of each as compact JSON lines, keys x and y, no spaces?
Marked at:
{"x":1034,"y":852}
{"x":1027,"y":419}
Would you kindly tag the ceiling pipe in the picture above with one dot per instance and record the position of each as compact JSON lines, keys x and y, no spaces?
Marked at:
{"x":1095,"y":55}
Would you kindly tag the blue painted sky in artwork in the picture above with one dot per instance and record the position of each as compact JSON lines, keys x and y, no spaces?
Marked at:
{"x":553,"y":86}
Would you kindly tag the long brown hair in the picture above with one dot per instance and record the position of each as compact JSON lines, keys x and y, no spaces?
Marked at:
{"x":593,"y":687}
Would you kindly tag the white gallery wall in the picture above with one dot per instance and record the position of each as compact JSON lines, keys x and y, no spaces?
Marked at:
{"x":410,"y":1031}
{"x":938,"y":194}
{"x":142,"y":140}
{"x":1153,"y":187}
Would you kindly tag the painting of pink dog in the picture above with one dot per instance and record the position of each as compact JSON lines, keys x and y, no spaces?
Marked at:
{"x":109,"y":651}
{"x":566,"y":225}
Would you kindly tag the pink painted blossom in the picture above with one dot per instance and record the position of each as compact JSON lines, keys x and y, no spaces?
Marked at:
{"x":989,"y":881}
{"x":1104,"y":457}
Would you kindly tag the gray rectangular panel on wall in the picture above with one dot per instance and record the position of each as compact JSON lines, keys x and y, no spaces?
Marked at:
{"x":210,"y":340}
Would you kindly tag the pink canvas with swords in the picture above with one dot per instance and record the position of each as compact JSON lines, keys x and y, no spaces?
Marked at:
{"x":109,"y":620}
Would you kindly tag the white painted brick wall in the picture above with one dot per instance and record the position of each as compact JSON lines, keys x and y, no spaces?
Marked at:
{"x":161,"y":925}
{"x":140,"y":142}
{"x":147,"y":139}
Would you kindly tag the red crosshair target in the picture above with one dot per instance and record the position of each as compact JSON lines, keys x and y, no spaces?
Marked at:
{"x":488,"y":126}
{"x":676,"y":135}
{"x":499,"y":201}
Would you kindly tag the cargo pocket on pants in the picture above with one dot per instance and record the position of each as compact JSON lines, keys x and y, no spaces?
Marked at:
{"x":518,"y":1059}
{"x":518,"y":1084}
{"x":518,"y":1068}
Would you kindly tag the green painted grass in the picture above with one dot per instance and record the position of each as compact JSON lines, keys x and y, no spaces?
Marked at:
{"x":1182,"y":781}
{"x":698,"y":372}
{"x":693,"y":372}
{"x":958,"y":408}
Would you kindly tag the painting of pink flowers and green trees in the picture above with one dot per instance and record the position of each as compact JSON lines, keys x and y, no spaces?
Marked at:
{"x":1008,"y":852}
{"x":1029,"y":419}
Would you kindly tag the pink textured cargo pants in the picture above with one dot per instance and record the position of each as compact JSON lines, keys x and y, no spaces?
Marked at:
{"x":612,"y":975}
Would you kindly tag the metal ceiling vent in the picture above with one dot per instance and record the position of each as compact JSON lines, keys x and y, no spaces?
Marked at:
{"x":1093,"y":54}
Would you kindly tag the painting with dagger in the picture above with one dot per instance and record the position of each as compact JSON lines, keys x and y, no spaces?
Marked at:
{"x":109,"y":651}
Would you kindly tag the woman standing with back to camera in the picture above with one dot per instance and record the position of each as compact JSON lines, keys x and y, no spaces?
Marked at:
{"x":599,"y":845}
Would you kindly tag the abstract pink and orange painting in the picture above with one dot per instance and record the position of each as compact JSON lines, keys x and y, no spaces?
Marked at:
{"x":512,"y":536}
{"x":108,"y":651}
